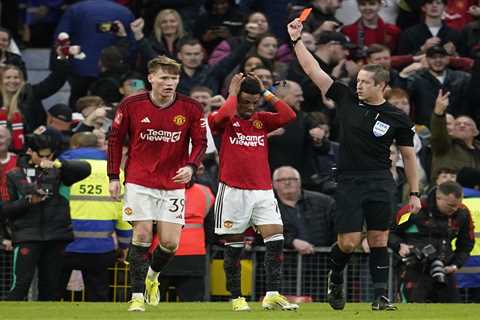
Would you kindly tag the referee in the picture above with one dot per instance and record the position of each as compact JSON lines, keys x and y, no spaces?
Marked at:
{"x":368,"y":126}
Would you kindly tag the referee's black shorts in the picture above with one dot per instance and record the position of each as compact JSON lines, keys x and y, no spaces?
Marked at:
{"x":366,"y":197}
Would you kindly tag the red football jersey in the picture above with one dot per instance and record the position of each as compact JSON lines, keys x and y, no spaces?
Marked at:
{"x":5,"y":167}
{"x":159,"y":140}
{"x":244,"y":147}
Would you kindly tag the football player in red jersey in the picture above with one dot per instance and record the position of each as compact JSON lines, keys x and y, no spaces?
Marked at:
{"x":160,"y":124}
{"x":245,"y":197}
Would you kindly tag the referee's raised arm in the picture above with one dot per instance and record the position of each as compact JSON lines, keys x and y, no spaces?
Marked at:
{"x":311,"y":67}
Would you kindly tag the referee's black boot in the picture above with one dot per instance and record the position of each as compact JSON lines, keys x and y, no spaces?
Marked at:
{"x":383,"y":303}
{"x":335,"y":295}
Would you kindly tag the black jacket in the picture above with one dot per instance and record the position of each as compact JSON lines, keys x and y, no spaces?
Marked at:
{"x":423,"y":88}
{"x":49,"y":219}
{"x":429,"y":226}
{"x":31,"y":96}
{"x":311,"y":220}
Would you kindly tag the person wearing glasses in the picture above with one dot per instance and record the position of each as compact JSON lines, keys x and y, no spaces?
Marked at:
{"x":38,"y":213}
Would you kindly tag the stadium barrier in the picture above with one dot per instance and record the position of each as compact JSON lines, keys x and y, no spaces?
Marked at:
{"x":303,"y":276}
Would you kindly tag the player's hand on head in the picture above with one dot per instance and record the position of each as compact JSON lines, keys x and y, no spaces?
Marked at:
{"x":235,"y":83}
{"x":260,"y":83}
{"x":184,"y":175}
{"x":114,"y":189}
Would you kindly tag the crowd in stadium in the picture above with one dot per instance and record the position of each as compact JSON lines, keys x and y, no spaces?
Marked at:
{"x":56,"y":211}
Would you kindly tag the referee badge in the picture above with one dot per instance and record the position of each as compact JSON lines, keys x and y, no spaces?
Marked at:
{"x":380,"y":128}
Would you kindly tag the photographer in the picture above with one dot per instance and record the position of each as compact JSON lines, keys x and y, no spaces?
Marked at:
{"x":424,"y":243}
{"x":39,"y":215}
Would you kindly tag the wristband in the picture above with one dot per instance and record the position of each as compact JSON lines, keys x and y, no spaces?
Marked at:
{"x":415,"y":194}
{"x":267,"y":95}
{"x":294,"y":42}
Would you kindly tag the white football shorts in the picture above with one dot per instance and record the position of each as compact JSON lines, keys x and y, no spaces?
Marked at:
{"x":143,"y":204}
{"x":238,"y":209}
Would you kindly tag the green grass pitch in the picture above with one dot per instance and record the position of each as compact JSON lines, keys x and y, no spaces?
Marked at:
{"x":221,"y":310}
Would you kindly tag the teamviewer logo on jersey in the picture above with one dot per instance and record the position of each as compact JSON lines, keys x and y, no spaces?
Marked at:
{"x":160,"y":135}
{"x":145,"y":120}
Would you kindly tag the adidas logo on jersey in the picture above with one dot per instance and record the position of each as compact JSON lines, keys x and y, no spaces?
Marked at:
{"x":236,"y":124}
{"x":145,"y":120}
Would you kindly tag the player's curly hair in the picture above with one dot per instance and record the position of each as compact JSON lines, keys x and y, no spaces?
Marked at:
{"x":251,"y":86}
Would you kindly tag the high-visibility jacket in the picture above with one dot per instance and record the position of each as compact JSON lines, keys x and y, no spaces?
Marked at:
{"x":96,"y":217}
{"x":198,"y":201}
{"x":469,"y":275}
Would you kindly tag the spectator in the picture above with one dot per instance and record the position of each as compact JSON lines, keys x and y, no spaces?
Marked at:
{"x":168,"y":30}
{"x":22,"y":101}
{"x":130,"y":84}
{"x":195,"y":73}
{"x":431,"y":32}
{"x":93,"y":25}
{"x":370,"y":28}
{"x":322,"y":17}
{"x":8,"y":162}
{"x":96,"y":221}
{"x":326,"y":153}
{"x":424,"y":85}
{"x":331,"y":49}
{"x":291,"y":145}
{"x":112,"y":68}
{"x":101,"y":139}
{"x":36,"y":195}
{"x":40,"y":19}
{"x":441,"y":220}
{"x":255,"y":20}
{"x":307,"y":216}
{"x":221,"y":21}
{"x":444,"y":175}
{"x":266,"y":48}
{"x":59,"y":117}
{"x":7,"y":57}
{"x":457,"y":151}
{"x":94,"y":112}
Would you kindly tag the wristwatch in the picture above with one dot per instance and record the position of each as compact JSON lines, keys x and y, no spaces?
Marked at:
{"x":415,"y":194}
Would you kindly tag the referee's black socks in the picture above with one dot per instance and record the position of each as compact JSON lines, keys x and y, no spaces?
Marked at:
{"x":378,"y":261}
{"x":337,"y":262}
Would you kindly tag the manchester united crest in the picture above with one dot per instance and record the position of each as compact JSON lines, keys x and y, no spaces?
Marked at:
{"x":179,"y":120}
{"x":258,"y":124}
{"x":128,"y":211}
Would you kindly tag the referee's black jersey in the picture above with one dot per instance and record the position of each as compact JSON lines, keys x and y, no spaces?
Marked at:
{"x":366,"y":131}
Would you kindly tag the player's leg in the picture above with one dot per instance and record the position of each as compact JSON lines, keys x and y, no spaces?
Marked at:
{"x":348,"y":224}
{"x":170,"y":219}
{"x":266,"y":216}
{"x":138,"y":262}
{"x":232,"y":217}
{"x":378,"y":216}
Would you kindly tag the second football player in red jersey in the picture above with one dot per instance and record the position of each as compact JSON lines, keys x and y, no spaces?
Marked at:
{"x":160,"y":125}
{"x":245,"y":196}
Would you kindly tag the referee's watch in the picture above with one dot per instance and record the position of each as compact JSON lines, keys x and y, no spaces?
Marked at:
{"x":415,"y":194}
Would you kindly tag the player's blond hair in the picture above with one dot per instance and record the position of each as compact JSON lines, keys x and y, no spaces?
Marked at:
{"x":166,"y":64}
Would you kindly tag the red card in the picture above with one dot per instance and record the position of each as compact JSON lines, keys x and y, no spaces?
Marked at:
{"x":304,"y":14}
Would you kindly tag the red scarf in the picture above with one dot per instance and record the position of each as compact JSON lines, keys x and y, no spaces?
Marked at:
{"x":16,"y":128}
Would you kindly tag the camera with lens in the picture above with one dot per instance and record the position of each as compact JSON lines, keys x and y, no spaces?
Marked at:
{"x":427,"y":255}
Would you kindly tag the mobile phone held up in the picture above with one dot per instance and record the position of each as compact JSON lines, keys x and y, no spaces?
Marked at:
{"x":108,"y":26}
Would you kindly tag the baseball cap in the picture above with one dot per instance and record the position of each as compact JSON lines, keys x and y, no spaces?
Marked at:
{"x":436,"y":50}
{"x":332,"y":37}
{"x":61,"y":111}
